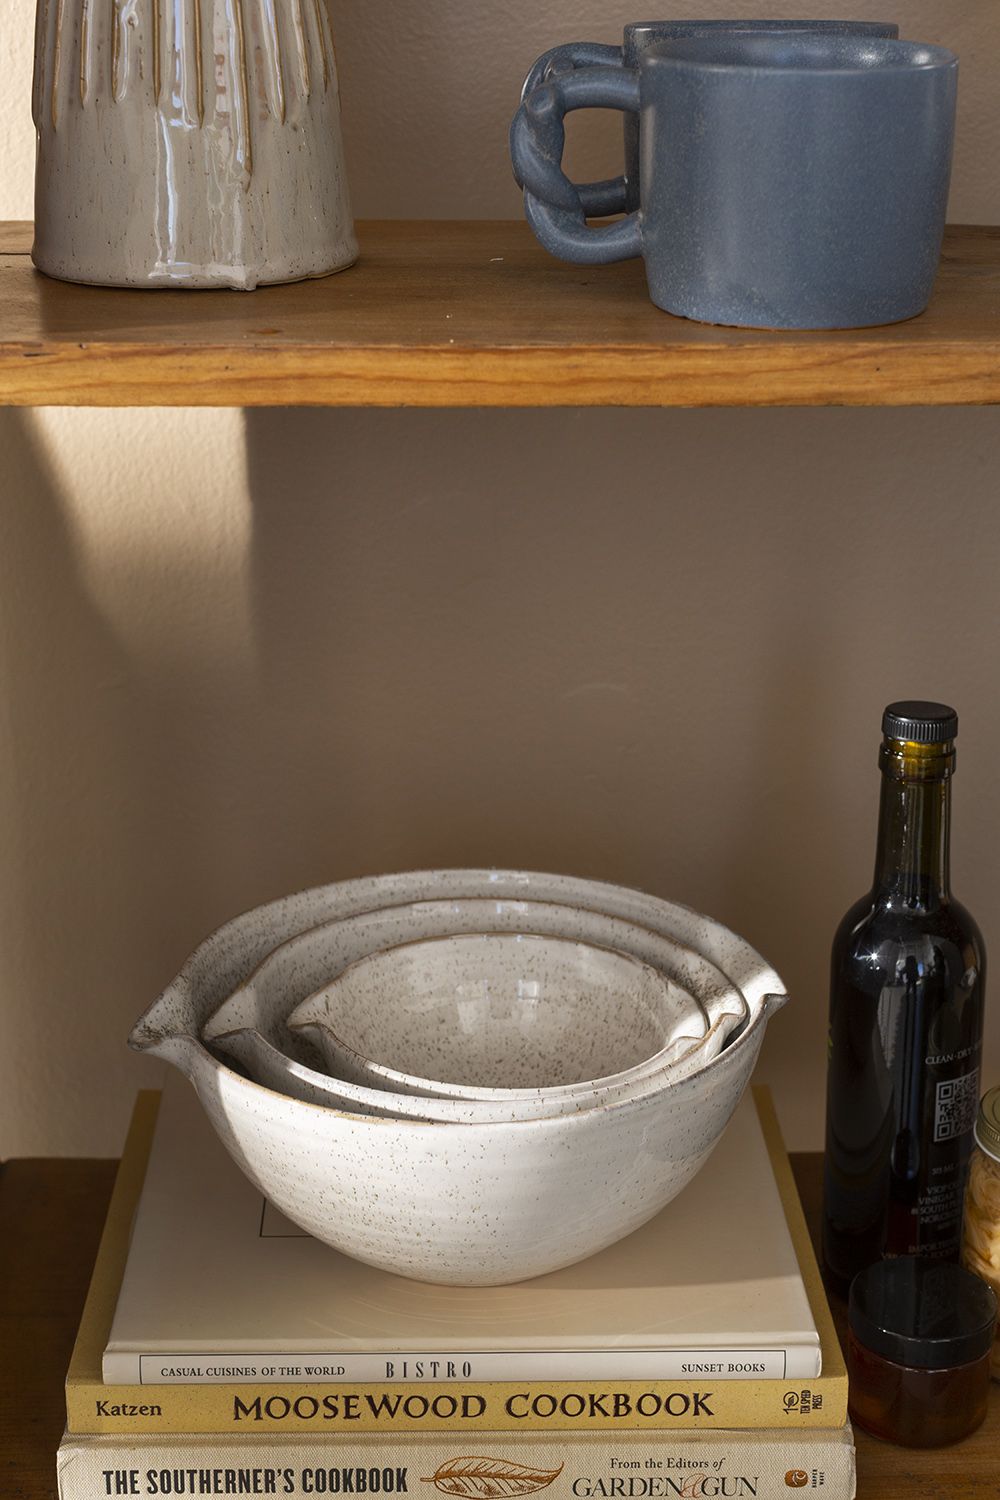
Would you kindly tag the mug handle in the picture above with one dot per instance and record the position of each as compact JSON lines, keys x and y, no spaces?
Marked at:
{"x":566,"y":59}
{"x":597,"y":199}
{"x":552,"y":204}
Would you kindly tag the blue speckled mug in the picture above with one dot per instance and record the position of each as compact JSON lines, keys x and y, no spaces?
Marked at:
{"x":794,"y":181}
{"x":621,"y":194}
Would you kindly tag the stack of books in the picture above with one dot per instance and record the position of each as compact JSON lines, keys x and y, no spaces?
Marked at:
{"x":224,"y":1352}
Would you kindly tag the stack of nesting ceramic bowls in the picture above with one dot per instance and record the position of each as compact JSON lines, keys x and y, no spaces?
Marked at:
{"x":468,"y":1076}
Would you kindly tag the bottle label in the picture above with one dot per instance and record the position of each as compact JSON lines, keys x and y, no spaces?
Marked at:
{"x":933,"y":1224}
{"x":955,"y":1105}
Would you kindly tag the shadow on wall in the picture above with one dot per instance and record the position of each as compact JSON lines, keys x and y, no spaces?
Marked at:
{"x":652,"y":647}
{"x":100,"y":891}
{"x":483,"y":642}
{"x":581,"y":641}
{"x":72,"y":733}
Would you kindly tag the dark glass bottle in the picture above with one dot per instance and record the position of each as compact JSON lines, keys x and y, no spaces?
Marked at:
{"x":906,"y":1022}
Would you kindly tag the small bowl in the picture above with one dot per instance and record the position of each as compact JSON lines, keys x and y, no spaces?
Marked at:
{"x":488,"y":1015}
{"x":296,"y":968}
{"x":503,"y":1010}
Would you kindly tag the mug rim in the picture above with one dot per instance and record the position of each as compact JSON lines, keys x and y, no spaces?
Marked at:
{"x":696,"y":51}
{"x":821,"y":27}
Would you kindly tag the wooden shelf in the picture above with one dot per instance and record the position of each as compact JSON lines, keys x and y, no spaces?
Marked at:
{"x":475,"y":314}
{"x":51,"y":1214}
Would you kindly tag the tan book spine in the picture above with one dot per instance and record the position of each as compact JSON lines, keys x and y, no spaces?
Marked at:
{"x":498,"y":1466}
{"x":578,"y":1406}
{"x":834,"y":1366}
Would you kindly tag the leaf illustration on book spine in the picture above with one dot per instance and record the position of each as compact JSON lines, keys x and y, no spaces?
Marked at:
{"x":490,"y":1478}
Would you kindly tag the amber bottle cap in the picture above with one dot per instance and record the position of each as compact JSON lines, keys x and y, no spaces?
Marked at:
{"x":930,"y":1315}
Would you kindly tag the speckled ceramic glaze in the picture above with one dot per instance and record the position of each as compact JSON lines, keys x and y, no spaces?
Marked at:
{"x":499,"y":1011}
{"x":264,"y":1064}
{"x":188,"y":144}
{"x":701,"y":993}
{"x":754,"y":212}
{"x":476,"y":1204}
{"x":621,"y":194}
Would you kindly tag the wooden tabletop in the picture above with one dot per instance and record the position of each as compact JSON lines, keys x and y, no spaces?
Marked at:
{"x":457,"y":314}
{"x":51,"y":1213}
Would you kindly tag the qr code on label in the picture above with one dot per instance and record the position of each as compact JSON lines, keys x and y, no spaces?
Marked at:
{"x":955,"y":1106}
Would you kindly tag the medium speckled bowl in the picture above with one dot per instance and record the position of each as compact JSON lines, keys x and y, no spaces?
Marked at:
{"x":471,"y":1204}
{"x":257,"y":1011}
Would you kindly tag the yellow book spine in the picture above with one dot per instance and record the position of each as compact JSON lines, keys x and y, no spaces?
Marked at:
{"x":654,"y":1406}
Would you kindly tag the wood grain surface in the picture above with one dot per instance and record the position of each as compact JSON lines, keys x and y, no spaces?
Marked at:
{"x":51,"y":1214}
{"x":454,"y":314}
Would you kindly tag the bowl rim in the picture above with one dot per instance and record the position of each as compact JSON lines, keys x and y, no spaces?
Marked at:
{"x":279,"y":952}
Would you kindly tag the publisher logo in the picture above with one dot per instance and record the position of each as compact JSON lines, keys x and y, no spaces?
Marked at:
{"x":796,"y":1479}
{"x":802,"y":1402}
{"x":485,"y":1478}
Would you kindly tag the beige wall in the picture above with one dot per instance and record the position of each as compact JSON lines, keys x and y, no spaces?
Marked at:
{"x":244,"y":655}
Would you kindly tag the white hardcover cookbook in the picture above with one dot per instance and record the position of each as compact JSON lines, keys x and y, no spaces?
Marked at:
{"x":219,"y":1287}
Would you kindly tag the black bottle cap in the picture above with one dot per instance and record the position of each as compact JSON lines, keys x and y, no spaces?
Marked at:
{"x":930,"y":1315}
{"x":920,"y":723}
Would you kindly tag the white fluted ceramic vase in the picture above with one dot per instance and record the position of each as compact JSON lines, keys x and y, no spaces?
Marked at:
{"x":188,"y":143}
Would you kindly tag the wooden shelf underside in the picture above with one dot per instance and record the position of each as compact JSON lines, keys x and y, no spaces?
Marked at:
{"x":455,"y":314}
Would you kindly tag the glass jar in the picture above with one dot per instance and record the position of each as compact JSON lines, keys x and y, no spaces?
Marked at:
{"x":981,"y":1234}
{"x":918,"y":1354}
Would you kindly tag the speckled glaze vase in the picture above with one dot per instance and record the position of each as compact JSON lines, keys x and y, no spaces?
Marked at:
{"x":188,"y":143}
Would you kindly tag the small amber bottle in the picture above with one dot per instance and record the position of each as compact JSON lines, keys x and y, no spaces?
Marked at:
{"x":918,"y":1354}
{"x":981,"y":1239}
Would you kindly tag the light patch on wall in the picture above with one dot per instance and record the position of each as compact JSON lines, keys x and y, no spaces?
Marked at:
{"x":17,"y":136}
{"x":159,"y":508}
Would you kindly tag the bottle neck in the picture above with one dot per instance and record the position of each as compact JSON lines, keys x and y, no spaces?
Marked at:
{"x":912,"y":857}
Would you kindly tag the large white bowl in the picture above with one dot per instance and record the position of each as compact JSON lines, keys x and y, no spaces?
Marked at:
{"x":470,"y":1204}
{"x":260,"y":1007}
